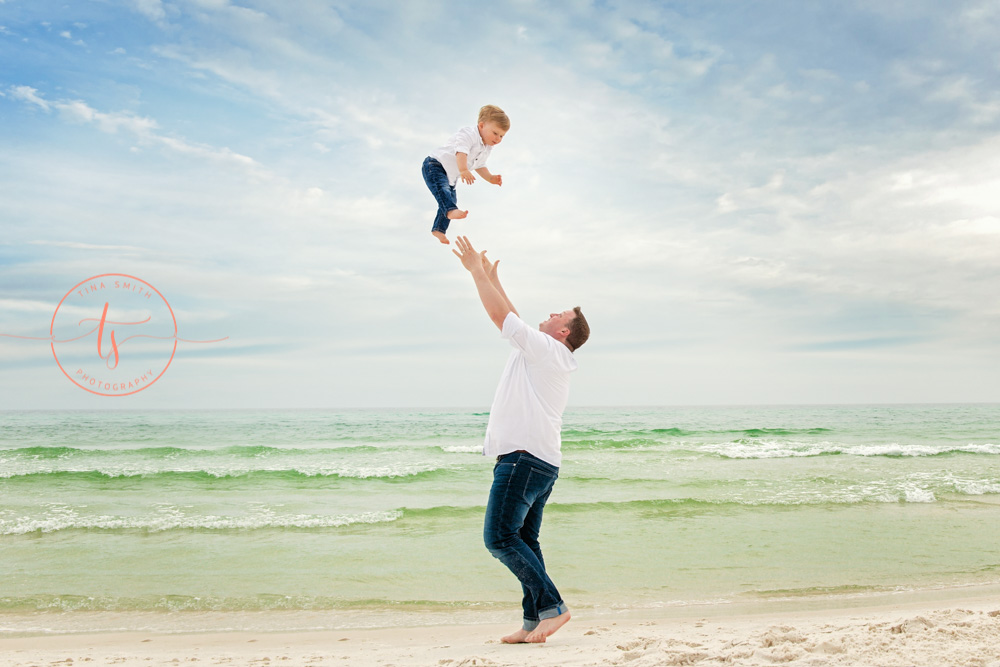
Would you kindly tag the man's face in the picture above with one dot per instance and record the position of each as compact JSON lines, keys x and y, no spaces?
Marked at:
{"x":491,"y":133}
{"x":556,"y":323}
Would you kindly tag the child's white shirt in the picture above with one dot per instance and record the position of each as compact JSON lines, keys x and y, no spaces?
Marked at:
{"x":468,"y":141}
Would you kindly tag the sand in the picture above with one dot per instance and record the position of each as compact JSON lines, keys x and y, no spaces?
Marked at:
{"x":965,"y":633}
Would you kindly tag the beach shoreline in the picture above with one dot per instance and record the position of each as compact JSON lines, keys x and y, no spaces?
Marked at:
{"x":808,"y":536}
{"x":941,"y":628}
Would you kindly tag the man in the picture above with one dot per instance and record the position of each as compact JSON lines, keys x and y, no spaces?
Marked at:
{"x":524,"y":435}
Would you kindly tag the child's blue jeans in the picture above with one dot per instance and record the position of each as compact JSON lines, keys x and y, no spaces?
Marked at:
{"x":437,"y":182}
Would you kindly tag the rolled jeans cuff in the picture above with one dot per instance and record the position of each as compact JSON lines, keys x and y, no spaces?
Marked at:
{"x":551,"y":612}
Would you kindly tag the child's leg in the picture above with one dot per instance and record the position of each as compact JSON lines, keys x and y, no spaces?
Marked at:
{"x":444,"y":193}
{"x":440,"y":226}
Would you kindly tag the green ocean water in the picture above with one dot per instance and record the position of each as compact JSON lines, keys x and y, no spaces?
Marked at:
{"x":369,"y":512}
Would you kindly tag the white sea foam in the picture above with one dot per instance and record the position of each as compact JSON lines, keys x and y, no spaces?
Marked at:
{"x":852,"y":494}
{"x":771,"y":449}
{"x":228,"y":470}
{"x":172,"y":518}
{"x":915,"y":494}
{"x":976,"y":487}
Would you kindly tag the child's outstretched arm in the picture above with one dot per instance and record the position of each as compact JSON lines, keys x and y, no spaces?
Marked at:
{"x":462,"y":159}
{"x":488,"y":177}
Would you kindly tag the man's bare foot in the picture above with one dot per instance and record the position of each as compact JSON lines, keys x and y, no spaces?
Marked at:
{"x":441,"y":237}
{"x":547,"y":628}
{"x":456,"y":214}
{"x":518,"y":637}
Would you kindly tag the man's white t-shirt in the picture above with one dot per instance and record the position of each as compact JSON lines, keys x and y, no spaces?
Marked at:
{"x":532,"y":394}
{"x":468,"y":141}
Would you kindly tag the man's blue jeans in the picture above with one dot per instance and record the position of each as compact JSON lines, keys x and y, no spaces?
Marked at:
{"x":444,"y":192}
{"x":521,"y":485}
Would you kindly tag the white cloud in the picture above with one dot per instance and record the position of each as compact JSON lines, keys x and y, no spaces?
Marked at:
{"x":26,"y":306}
{"x":980,"y":20}
{"x":967,"y":177}
{"x":86,"y":246}
{"x":938,"y":85}
{"x":28,"y":94}
{"x":971,"y":96}
{"x":107,"y":122}
{"x":151,"y":9}
{"x":770,"y":196}
{"x":144,"y":129}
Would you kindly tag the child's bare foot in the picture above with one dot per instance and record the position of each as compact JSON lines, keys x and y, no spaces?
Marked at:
{"x":456,"y":214}
{"x":441,"y":237}
{"x":519,"y":637}
{"x":547,"y":628}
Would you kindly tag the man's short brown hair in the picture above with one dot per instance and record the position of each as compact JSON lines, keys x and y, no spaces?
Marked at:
{"x":579,"y":330}
{"x":494,"y":113}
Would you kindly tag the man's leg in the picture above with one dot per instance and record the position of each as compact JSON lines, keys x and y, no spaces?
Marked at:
{"x":521,"y":485}
{"x":550,"y":619}
{"x":529,"y":535}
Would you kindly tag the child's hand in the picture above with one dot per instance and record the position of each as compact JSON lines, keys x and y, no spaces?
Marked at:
{"x":496,"y":180}
{"x":467,"y":177}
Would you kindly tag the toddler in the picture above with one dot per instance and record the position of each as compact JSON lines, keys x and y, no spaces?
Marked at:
{"x":464,"y":153}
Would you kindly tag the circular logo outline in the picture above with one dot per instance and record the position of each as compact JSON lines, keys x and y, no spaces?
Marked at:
{"x":105,"y":275}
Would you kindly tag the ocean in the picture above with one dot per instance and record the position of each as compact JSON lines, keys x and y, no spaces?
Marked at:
{"x":374,"y":517}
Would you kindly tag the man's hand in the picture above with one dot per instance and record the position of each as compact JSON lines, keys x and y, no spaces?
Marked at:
{"x":483,"y":273}
{"x":471,"y":259}
{"x":490,"y":268}
{"x":467,"y":177}
{"x":496,"y":180}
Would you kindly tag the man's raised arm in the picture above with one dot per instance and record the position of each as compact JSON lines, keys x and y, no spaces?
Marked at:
{"x":490,"y":292}
{"x":491,"y":270}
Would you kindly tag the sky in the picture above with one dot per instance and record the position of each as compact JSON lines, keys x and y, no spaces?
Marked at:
{"x":753,"y":202}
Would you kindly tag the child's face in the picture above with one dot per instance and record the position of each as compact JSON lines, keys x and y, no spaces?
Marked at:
{"x":491,"y":133}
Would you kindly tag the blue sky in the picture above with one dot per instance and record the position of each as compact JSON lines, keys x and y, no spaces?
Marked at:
{"x":753,"y":202}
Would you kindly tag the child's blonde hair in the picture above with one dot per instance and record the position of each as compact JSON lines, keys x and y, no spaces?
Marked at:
{"x":494,"y":113}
